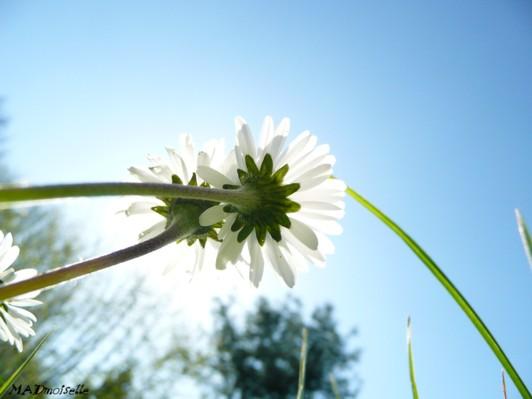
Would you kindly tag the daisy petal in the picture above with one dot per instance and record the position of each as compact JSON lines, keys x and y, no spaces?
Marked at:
{"x":203,"y":159}
{"x":154,"y":230}
{"x":20,"y":301}
{"x":308,"y":183}
{"x":322,"y":205}
{"x":9,"y":257}
{"x":187,"y":154}
{"x":279,"y":263}
{"x":256,"y":269}
{"x":140,"y":207}
{"x":21,"y":313}
{"x":177,"y":164}
{"x":145,"y":176}
{"x":213,"y":177}
{"x":266,"y":134}
{"x":245,"y":138}
{"x":315,"y":257}
{"x":283,"y":128}
{"x":304,"y":233}
{"x":5,"y":243}
{"x":212,"y":215}
{"x":24,"y":274}
{"x":229,"y":251}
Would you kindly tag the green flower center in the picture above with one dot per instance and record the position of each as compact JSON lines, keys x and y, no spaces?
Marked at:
{"x":270,"y":212}
{"x":190,"y":209}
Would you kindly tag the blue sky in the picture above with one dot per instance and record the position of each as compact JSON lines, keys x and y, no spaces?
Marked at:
{"x":427,"y":106}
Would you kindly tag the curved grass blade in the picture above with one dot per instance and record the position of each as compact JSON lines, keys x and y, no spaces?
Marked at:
{"x":302,"y":364}
{"x":411,"y":359}
{"x":16,"y":373}
{"x":525,"y":236}
{"x":451,"y":289}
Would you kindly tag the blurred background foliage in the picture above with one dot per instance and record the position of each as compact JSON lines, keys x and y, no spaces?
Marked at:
{"x":259,"y":358}
{"x":109,"y":333}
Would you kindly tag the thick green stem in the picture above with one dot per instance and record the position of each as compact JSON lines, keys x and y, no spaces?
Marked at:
{"x":451,"y":289}
{"x":175,"y":231}
{"x":11,"y":193}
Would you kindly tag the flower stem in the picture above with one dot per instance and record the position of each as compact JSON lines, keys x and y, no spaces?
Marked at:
{"x":175,"y":231}
{"x":11,"y":193}
{"x":451,"y":289}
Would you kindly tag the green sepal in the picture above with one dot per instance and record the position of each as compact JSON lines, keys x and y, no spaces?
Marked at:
{"x":242,"y":176}
{"x":245,"y":232}
{"x":213,"y":235}
{"x":291,"y":188}
{"x":176,"y":179}
{"x":181,"y":205}
{"x":293,"y":207}
{"x":251,"y":165}
{"x":230,"y":208}
{"x":283,"y":220}
{"x":266,"y":168}
{"x":275,"y":232}
{"x":260,"y":233}
{"x":193,"y":180}
{"x":280,"y":174}
{"x":238,"y":223}
{"x":230,"y":187}
{"x":270,"y":211}
{"x":161,"y":210}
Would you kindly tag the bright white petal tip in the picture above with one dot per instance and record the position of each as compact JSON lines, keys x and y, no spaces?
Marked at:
{"x":213,"y":177}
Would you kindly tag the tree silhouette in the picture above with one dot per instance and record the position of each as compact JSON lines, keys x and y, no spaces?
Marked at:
{"x":260,"y":359}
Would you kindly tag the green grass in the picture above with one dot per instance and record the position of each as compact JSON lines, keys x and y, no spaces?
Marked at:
{"x":11,"y":379}
{"x":302,"y":364}
{"x":451,"y":289}
{"x":525,"y":236}
{"x":411,"y":370}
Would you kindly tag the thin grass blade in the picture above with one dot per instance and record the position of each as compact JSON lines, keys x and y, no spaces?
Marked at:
{"x":525,"y":236}
{"x":505,"y":395}
{"x":302,"y":364}
{"x":451,"y":289}
{"x":411,"y":359}
{"x":334,"y":387}
{"x":11,"y":379}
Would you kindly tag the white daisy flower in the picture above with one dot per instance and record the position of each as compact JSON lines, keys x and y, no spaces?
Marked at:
{"x":180,"y":168}
{"x":298,"y":203}
{"x":15,"y":321}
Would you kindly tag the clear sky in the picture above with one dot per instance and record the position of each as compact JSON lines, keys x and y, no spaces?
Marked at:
{"x":427,"y":106}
